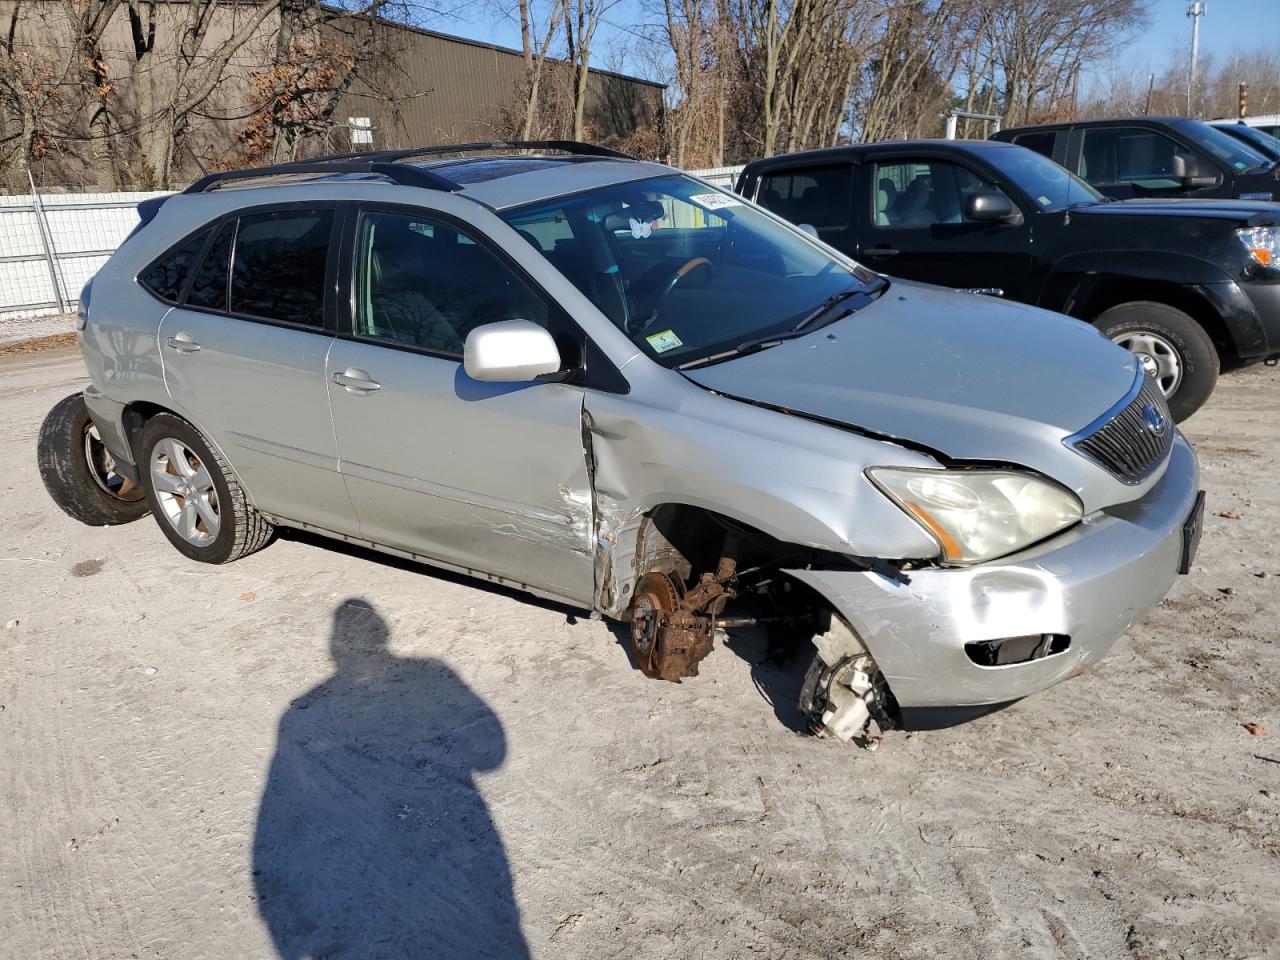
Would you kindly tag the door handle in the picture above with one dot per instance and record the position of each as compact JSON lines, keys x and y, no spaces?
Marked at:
{"x":878,"y":253}
{"x":357,"y":381}
{"x":183,"y":343}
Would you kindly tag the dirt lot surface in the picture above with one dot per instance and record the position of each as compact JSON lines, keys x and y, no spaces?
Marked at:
{"x":316,"y":753}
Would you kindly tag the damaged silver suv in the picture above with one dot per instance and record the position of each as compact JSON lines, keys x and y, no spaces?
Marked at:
{"x":608,"y":383}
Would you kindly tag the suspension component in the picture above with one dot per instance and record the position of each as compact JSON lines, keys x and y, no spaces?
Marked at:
{"x":673,"y":628}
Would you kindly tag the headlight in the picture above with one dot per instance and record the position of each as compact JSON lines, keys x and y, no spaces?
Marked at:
{"x":978,"y":515}
{"x":1263,"y":244}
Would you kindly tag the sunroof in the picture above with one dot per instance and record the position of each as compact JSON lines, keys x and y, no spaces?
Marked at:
{"x":483,"y":169}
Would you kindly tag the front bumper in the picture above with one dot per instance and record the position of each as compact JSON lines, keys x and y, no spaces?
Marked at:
{"x":1265,"y":298}
{"x":1090,"y":583}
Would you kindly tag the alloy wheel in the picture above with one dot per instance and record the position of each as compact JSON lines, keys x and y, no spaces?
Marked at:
{"x":185,"y":491}
{"x":102,"y":467}
{"x":1159,"y":357}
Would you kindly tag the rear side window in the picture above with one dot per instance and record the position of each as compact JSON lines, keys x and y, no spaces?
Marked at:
{"x":818,"y":196}
{"x":278,"y":270}
{"x":209,"y":286}
{"x":166,"y":277}
{"x":1041,"y":142}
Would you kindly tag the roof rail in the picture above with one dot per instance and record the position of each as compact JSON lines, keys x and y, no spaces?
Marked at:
{"x":408,"y":176}
{"x":566,"y":146}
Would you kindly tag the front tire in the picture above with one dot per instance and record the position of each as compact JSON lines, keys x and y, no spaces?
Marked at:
{"x":79,"y":472}
{"x":197,"y":500}
{"x":1173,"y":348}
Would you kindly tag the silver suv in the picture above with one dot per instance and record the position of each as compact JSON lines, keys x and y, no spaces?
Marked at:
{"x":612,"y":384}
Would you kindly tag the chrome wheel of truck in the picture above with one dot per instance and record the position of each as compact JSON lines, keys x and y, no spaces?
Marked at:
{"x":1173,"y":348}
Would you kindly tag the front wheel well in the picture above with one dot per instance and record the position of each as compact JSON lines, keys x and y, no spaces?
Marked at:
{"x":1113,"y":293}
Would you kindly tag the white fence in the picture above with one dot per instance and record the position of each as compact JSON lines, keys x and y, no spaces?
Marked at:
{"x":721,"y":176}
{"x":51,"y":244}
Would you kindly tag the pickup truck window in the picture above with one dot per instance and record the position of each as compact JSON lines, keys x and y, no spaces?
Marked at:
{"x":921,"y":193}
{"x":1240,"y":157}
{"x":818,"y":196}
{"x":1041,"y":141}
{"x":1129,"y":155}
{"x":1053,"y":188}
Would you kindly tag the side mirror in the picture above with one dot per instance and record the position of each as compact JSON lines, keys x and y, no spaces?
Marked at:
{"x":990,"y":207}
{"x":808,"y":228}
{"x":1188,"y":171}
{"x":510,"y":351}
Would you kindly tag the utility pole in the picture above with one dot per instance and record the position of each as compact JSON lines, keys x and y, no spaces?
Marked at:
{"x":1195,"y":10}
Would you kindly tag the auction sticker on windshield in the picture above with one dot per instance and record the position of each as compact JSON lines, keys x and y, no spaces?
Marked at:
{"x":715,"y":201}
{"x":664,"y":341}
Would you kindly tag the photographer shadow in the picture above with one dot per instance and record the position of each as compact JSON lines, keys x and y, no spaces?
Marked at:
{"x":372,"y":839}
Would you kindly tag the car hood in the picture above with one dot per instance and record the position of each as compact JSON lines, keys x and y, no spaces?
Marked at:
{"x":969,"y":377}
{"x":1252,"y":212}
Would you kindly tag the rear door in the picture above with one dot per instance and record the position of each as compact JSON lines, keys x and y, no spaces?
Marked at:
{"x":490,"y":477}
{"x":244,"y":357}
{"x":909,"y":209}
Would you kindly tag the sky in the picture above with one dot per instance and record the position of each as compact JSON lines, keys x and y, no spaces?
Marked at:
{"x":1229,"y":25}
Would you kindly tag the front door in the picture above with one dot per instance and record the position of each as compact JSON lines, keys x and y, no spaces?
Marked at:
{"x":244,"y":356}
{"x":911,"y":224}
{"x":486,"y":476}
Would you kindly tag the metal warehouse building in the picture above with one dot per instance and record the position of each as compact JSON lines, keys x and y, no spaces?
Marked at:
{"x":449,"y":89}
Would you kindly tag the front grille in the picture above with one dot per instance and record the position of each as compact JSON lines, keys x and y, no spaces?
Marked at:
{"x":1133,"y":438}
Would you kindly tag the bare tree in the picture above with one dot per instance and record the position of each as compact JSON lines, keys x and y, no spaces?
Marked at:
{"x":31,"y":94}
{"x":581,"y":19}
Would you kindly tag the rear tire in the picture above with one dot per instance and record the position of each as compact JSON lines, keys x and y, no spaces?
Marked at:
{"x":78,"y":471}
{"x":1174,"y":348}
{"x":196,"y":498}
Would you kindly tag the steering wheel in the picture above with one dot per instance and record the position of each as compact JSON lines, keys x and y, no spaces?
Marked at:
{"x":664,"y":289}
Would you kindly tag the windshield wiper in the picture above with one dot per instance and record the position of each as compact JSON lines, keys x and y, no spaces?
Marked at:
{"x":878,"y":285}
{"x":748,"y":346}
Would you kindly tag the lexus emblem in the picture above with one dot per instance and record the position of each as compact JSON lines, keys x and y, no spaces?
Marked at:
{"x":1155,"y":420}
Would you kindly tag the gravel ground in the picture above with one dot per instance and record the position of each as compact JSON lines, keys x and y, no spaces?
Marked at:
{"x":317,"y":753}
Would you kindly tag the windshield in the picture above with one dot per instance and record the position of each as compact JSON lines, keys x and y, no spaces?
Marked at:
{"x":685,"y":270}
{"x":1263,"y":142}
{"x":1052,"y":187}
{"x":1240,"y":157}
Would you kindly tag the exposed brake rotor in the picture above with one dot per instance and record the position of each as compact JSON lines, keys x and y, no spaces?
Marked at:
{"x":667,"y":637}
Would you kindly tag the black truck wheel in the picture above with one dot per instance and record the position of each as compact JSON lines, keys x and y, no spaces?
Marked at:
{"x":79,"y":472}
{"x":196,"y":498}
{"x":1173,"y":348}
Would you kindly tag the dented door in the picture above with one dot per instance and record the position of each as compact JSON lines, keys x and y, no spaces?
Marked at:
{"x":488,"y":476}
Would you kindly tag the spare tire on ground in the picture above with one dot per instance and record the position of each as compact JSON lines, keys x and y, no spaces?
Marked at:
{"x":79,"y":472}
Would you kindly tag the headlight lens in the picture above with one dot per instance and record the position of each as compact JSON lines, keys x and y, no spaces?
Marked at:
{"x":1263,"y":244}
{"x":978,"y":515}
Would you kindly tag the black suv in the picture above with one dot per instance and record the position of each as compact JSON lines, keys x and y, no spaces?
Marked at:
{"x":1187,"y":285}
{"x":1154,"y":157}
